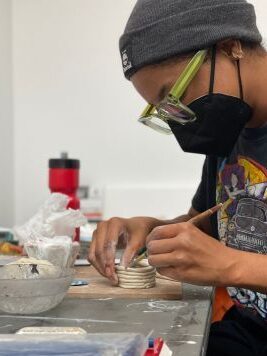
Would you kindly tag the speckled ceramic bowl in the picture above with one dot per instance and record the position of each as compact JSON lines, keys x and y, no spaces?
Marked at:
{"x":32,"y":296}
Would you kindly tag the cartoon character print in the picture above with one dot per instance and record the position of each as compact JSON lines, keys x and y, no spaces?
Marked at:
{"x":242,"y":222}
{"x":246,"y":298}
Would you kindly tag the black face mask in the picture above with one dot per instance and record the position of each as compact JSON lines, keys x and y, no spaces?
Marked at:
{"x":220,"y":120}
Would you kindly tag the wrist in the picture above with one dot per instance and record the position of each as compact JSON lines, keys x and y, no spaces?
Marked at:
{"x":235,"y":267}
{"x":247,"y":270}
{"x":149,"y":223}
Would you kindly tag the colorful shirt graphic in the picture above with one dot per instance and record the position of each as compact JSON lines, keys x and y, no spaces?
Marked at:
{"x":242,"y":223}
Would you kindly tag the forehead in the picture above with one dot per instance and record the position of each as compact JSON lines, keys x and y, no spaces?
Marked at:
{"x":153,"y":81}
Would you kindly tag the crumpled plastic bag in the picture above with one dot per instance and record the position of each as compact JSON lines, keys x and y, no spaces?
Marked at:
{"x":52,"y":219}
{"x":64,"y":223}
{"x":48,"y":234}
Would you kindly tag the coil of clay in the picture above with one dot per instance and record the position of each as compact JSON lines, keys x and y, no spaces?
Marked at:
{"x":140,"y":276}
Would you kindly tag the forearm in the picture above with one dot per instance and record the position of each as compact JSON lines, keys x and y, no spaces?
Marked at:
{"x":177,"y":220}
{"x":203,"y":225}
{"x":247,"y":270}
{"x":182,"y":218}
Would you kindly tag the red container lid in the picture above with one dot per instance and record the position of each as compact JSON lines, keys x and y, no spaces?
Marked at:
{"x":64,"y":162}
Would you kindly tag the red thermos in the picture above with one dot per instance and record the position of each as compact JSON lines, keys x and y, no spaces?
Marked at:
{"x":64,"y":178}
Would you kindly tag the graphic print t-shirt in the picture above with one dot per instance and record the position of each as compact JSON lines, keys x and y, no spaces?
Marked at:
{"x":240,"y":183}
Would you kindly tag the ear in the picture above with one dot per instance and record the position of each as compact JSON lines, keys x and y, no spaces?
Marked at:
{"x":232,"y":49}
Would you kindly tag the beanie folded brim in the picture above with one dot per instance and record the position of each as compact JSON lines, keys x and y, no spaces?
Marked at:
{"x":192,"y":30}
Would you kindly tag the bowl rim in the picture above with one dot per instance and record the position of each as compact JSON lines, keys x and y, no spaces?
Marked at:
{"x":68,"y":273}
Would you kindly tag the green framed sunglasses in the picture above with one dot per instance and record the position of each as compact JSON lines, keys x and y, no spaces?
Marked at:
{"x":171,"y":108}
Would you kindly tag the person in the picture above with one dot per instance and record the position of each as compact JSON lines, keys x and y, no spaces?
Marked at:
{"x":201,"y":66}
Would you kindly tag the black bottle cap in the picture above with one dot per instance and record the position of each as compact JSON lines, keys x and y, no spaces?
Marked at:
{"x":64,"y":162}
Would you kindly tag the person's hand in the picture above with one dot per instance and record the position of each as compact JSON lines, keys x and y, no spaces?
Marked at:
{"x":185,"y":253}
{"x":132,"y":232}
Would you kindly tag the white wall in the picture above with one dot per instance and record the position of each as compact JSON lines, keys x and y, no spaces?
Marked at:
{"x":70,"y":94}
{"x":6,"y":119}
{"x":261,"y":12}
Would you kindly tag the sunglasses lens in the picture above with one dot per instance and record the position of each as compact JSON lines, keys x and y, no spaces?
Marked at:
{"x":156,"y":123}
{"x":177,"y":112}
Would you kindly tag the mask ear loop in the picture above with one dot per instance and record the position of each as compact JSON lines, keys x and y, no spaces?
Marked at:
{"x":212,"y":74}
{"x":241,"y":92}
{"x":212,"y":69}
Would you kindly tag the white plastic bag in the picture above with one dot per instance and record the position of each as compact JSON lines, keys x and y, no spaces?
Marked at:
{"x":48,"y":234}
{"x":52,"y":219}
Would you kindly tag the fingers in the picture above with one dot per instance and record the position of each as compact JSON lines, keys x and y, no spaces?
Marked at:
{"x":161,"y":246}
{"x":165,"y":232}
{"x":163,"y":260}
{"x":100,"y":238}
{"x":92,"y":257}
{"x":131,"y":251}
{"x":114,"y":231}
{"x":169,"y":272}
{"x":103,"y":247}
{"x":163,"y":242}
{"x":105,"y":239}
{"x":170,"y":252}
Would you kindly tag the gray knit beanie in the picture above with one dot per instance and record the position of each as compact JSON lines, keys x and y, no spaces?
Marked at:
{"x":160,"y":29}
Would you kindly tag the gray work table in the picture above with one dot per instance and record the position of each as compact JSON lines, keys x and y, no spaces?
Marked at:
{"x":184,"y":324}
